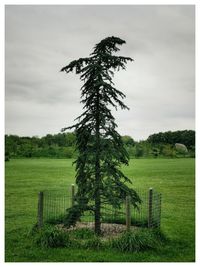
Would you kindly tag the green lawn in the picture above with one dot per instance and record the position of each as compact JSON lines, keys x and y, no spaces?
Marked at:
{"x":174,"y":178}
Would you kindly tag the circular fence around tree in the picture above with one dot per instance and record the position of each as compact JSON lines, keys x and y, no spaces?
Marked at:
{"x":53,"y":206}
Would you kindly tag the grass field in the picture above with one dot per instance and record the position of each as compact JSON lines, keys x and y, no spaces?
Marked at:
{"x":174,"y":178}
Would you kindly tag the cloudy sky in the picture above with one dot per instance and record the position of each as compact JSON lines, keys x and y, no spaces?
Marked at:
{"x":159,"y":84}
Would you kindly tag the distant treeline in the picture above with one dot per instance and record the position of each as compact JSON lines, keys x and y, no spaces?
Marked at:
{"x":62,"y":145}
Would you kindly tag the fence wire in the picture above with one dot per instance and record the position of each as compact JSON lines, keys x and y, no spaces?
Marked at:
{"x":148,"y":214}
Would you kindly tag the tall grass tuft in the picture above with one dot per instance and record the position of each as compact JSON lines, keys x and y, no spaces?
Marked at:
{"x":94,"y":243}
{"x":83,"y":233}
{"x":138,"y":240}
{"x":51,"y":237}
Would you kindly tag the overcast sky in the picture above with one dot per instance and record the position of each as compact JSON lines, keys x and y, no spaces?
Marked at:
{"x":159,"y":84}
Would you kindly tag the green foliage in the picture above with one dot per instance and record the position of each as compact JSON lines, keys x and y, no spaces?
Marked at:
{"x":83,"y":233}
{"x":7,"y":156}
{"x":101,"y":150}
{"x":51,"y":237}
{"x":139,"y":152}
{"x":73,"y":214}
{"x":142,"y":222}
{"x":155,"y":152}
{"x":128,"y":140}
{"x":137,"y":240}
{"x":191,"y":152}
{"x":131,"y":151}
{"x":58,"y":220}
{"x":62,"y":145}
{"x":186,"y":137}
{"x":168,"y":151}
{"x":93,"y":243}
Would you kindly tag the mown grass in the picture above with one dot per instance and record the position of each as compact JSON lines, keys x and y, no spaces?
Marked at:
{"x":174,"y":178}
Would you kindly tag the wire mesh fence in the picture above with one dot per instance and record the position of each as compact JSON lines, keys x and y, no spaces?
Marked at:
{"x":53,"y":207}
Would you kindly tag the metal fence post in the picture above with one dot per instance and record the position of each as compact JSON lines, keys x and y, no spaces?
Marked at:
{"x":40,"y":209}
{"x":150,"y":208}
{"x":72,"y":194}
{"x":128,"y":213}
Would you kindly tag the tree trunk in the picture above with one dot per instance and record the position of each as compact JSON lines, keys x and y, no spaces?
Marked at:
{"x":97,"y":172}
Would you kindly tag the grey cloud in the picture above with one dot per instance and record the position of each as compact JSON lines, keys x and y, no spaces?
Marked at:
{"x":159,"y":85}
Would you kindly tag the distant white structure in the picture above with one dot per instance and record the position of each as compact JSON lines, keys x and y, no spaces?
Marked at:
{"x":181,"y":148}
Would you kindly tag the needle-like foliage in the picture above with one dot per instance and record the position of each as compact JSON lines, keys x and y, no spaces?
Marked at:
{"x":101,"y":150}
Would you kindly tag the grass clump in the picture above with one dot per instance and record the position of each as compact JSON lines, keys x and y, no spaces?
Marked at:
{"x":86,"y":238}
{"x":51,"y":237}
{"x":83,"y":233}
{"x":138,"y":240}
{"x":132,"y":241}
{"x":94,"y":243}
{"x":59,"y":219}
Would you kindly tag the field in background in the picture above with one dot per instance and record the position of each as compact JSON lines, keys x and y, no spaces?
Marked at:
{"x":174,"y":178}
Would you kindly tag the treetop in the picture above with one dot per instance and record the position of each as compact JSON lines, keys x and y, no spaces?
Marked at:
{"x":101,"y":57}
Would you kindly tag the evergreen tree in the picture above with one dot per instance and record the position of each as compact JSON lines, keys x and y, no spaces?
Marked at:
{"x":100,"y":147}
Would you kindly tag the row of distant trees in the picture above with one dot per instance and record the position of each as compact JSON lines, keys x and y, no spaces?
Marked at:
{"x":62,"y":145}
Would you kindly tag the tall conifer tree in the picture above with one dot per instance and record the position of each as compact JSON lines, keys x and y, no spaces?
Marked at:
{"x":101,"y":150}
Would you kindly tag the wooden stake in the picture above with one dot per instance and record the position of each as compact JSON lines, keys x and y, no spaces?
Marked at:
{"x":150,"y":208}
{"x":40,"y":209}
{"x":128,"y":213}
{"x":73,"y":194}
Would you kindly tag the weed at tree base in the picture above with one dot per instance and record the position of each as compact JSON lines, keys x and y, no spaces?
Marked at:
{"x":51,"y":237}
{"x":132,"y":241}
{"x":138,"y":240}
